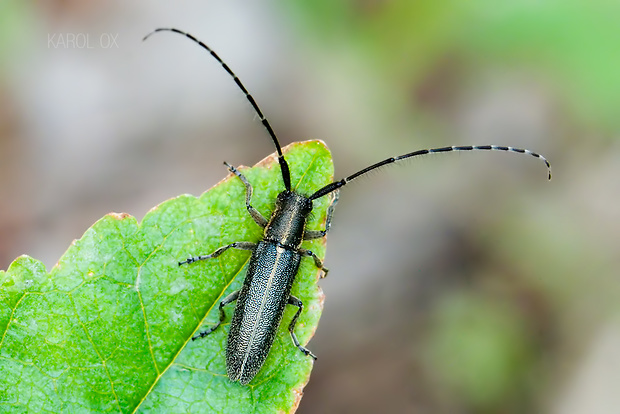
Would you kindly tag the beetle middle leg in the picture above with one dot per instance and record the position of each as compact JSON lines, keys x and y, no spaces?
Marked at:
{"x":317,"y":262}
{"x":292,"y":300}
{"x":228,"y":299}
{"x":219,"y":251}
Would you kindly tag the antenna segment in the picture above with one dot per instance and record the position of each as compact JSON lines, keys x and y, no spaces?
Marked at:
{"x":286,"y":174}
{"x":337,"y":184}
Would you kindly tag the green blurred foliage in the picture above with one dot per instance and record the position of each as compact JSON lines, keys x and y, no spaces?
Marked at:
{"x":565,"y":43}
{"x":480,"y":349}
{"x":14,"y":16}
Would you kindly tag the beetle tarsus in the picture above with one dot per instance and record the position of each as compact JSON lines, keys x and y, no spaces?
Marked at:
{"x":228,"y":299}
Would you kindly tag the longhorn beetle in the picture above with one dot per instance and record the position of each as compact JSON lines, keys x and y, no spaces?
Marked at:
{"x":275,"y":259}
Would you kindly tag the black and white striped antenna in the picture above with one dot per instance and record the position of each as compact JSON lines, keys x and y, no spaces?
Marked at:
{"x":286,"y":175}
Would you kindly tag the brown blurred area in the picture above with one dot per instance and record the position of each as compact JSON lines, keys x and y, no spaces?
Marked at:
{"x":458,"y":283}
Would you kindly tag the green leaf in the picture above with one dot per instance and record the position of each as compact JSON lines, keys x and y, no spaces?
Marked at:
{"x":109,"y":328}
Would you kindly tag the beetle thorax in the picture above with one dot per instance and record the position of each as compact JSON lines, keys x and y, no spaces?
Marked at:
{"x":288,"y":221}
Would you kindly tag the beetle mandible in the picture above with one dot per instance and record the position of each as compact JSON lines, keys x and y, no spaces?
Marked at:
{"x":276,"y":257}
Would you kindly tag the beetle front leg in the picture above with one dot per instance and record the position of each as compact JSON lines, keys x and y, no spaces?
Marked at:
{"x":256,"y":215}
{"x":317,"y":234}
{"x":216,"y":253}
{"x":228,"y":299}
{"x":292,"y":300}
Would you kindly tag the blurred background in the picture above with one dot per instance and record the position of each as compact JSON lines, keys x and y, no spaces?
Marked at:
{"x":459,"y":283}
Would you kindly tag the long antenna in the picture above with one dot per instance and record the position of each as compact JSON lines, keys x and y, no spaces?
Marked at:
{"x":337,"y":184}
{"x":286,"y":174}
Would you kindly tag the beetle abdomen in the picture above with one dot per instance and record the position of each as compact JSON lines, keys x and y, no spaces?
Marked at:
{"x":259,"y":309}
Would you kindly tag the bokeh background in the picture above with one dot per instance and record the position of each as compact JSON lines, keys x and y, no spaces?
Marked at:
{"x":459,"y":283}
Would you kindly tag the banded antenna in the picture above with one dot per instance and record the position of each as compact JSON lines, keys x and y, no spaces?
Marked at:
{"x":286,"y":173}
{"x":337,"y":184}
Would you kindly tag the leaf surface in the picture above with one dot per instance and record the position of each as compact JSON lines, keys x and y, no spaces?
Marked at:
{"x":109,"y":329}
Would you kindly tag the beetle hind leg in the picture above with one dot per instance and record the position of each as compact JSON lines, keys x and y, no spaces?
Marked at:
{"x":228,"y":299}
{"x":292,"y":300}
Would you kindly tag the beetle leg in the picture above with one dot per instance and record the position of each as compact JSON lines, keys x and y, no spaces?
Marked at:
{"x":292,"y":300}
{"x":317,"y":262}
{"x":216,"y":253}
{"x":317,"y":234}
{"x":228,"y":299}
{"x":256,"y":215}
